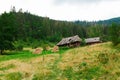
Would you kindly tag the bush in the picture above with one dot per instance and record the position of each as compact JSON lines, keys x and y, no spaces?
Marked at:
{"x":18,"y":45}
{"x":19,"y":48}
{"x":35,"y":46}
{"x":44,"y":47}
{"x":83,"y":43}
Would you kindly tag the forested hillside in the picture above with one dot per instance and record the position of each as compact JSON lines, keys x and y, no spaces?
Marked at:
{"x":29,"y":27}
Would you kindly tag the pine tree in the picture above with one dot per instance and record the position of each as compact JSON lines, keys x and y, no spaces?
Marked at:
{"x":7,"y":31}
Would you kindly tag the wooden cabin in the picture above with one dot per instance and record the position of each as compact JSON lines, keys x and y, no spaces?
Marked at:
{"x":73,"y":41}
{"x":94,"y":40}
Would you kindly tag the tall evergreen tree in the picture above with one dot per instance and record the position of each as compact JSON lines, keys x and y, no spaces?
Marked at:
{"x":7,"y":31}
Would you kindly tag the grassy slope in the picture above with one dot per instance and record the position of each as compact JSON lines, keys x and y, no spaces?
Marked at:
{"x":98,"y":62}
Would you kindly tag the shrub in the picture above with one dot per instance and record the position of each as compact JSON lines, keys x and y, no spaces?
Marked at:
{"x":83,"y":43}
{"x":35,"y":46}
{"x":19,"y":47}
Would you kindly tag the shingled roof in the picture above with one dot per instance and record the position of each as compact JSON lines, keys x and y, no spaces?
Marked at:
{"x":92,"y":40}
{"x":69,"y":40}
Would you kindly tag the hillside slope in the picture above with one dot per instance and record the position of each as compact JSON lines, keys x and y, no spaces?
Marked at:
{"x":98,"y":62}
{"x":32,"y":28}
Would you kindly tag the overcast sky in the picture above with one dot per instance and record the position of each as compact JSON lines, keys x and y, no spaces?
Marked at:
{"x":69,"y":10}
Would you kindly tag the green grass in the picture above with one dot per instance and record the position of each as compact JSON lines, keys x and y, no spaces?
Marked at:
{"x":16,"y":55}
{"x":26,"y":54}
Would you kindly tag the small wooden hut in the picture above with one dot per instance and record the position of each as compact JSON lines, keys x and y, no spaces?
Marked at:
{"x":93,"y":40}
{"x":73,"y":41}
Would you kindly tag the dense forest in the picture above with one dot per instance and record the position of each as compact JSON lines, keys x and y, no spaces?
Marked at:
{"x":26,"y":27}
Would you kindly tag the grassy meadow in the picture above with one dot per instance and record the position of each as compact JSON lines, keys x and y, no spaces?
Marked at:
{"x":93,"y":62}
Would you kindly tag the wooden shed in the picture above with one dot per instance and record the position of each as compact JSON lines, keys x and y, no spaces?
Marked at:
{"x":93,"y":40}
{"x":73,"y":41}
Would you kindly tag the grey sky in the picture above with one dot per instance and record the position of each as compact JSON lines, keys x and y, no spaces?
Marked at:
{"x":80,"y":1}
{"x":67,"y":9}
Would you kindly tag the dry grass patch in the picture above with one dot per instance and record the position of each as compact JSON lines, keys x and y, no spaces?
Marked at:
{"x":29,"y":49}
